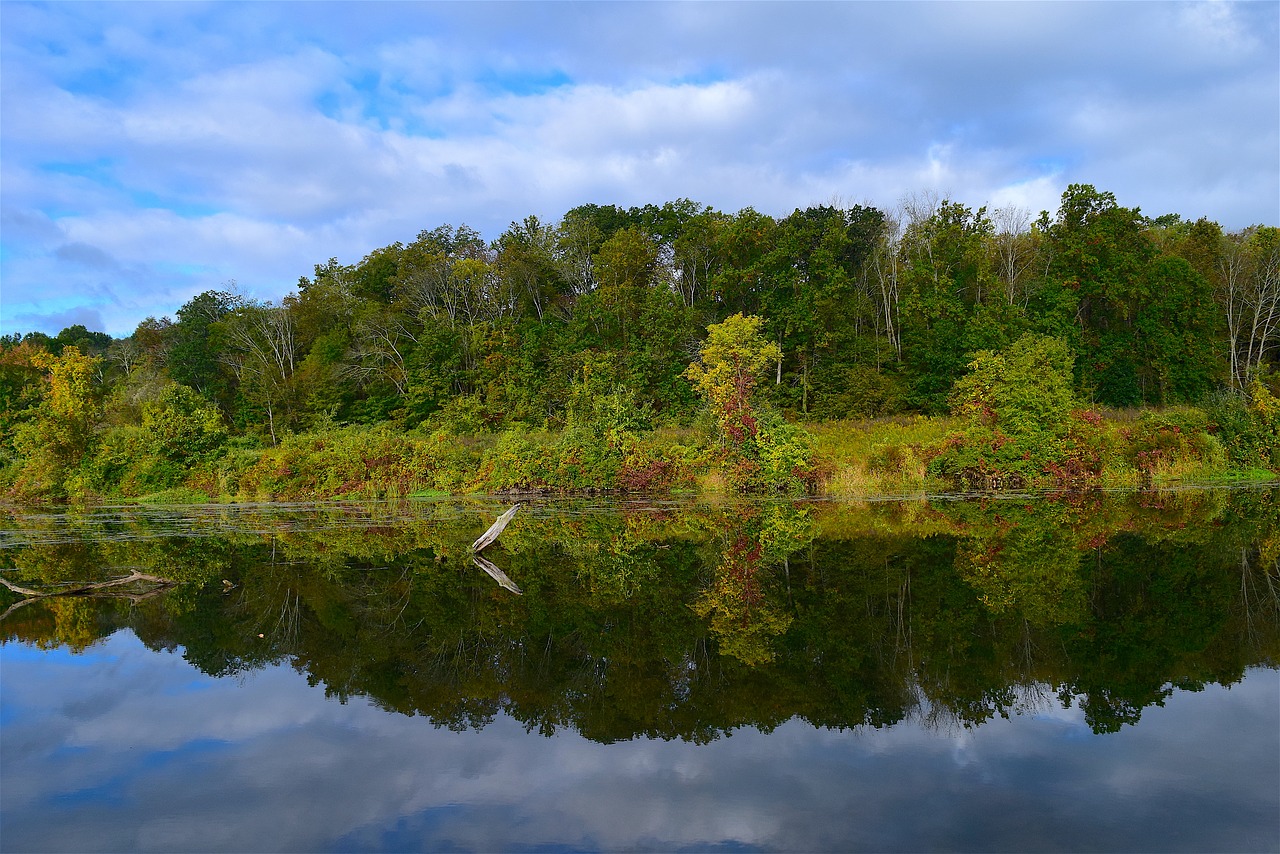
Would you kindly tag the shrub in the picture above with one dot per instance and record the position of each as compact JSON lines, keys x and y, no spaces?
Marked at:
{"x":1172,"y":444}
{"x":785,"y":457}
{"x":515,"y":462}
{"x":1016,"y":404}
{"x":1248,"y":426}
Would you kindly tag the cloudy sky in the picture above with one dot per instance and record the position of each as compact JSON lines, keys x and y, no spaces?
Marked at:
{"x":151,"y":151}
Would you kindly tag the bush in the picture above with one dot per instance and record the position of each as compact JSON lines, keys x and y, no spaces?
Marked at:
{"x":1172,"y":444}
{"x":1248,"y":426}
{"x":785,"y":456}
{"x":515,"y":462}
{"x":1016,"y":404}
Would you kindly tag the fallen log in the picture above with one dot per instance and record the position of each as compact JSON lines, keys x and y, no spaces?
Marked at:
{"x":97,"y":589}
{"x":487,"y":538}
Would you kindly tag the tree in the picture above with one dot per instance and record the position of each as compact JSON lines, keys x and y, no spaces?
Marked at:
{"x":946,"y":290}
{"x":58,"y":437}
{"x":732,"y":361}
{"x":526,"y":262}
{"x":88,"y":343}
{"x":71,"y":398}
{"x":624,"y":270}
{"x":261,"y":352}
{"x":1248,"y":273}
{"x":1178,"y":332}
{"x":1101,"y":270}
{"x":181,"y":425}
{"x":697,"y":254}
{"x":1023,"y":390}
{"x":744,"y":245}
{"x":194,"y":356}
{"x":1015,"y":250}
{"x":21,"y":383}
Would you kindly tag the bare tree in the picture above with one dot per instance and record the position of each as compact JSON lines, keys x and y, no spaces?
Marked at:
{"x":697,"y":255}
{"x":1014,"y":255}
{"x":579,"y":240}
{"x":886,"y":262}
{"x":379,"y":351}
{"x":1248,"y":273}
{"x":125,"y":352}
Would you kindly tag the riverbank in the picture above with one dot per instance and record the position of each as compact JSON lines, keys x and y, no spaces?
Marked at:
{"x":850,"y":459}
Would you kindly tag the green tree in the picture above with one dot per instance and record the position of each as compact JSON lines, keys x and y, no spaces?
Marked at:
{"x":526,"y":261}
{"x":88,"y":343}
{"x":952,"y":303}
{"x":193,"y":357}
{"x":1142,"y":322}
{"x":625,"y":269}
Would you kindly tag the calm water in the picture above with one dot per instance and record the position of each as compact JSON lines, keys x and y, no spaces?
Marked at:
{"x":1034,"y":673}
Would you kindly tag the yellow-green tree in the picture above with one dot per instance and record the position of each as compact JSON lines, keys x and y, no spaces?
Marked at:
{"x":57,"y":439}
{"x":734,"y":358}
{"x":764,"y":451}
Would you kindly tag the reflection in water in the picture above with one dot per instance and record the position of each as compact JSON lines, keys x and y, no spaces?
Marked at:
{"x":681,"y":622}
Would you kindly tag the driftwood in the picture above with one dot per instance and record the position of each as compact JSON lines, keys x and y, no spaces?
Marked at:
{"x":495,"y":573}
{"x":97,"y":589}
{"x":487,"y":538}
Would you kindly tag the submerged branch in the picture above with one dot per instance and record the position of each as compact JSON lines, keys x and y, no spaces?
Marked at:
{"x":98,"y":589}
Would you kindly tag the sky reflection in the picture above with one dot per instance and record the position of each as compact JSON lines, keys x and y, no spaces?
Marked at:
{"x":123,"y":748}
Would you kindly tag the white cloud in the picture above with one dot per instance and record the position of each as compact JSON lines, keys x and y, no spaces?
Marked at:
{"x":286,"y":140}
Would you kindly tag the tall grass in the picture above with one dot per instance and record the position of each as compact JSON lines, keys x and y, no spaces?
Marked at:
{"x":876,"y":457}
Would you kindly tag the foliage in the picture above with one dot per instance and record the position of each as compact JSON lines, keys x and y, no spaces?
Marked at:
{"x":1016,"y":405}
{"x":1248,"y":426}
{"x":59,"y":435}
{"x":587,"y":326}
{"x":763,"y":452}
{"x":729,"y":368}
{"x":1172,"y":443}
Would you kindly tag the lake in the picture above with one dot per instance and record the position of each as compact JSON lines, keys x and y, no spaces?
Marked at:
{"x":1093,"y":672}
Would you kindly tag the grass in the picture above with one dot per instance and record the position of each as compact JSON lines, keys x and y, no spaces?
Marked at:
{"x":882,"y":456}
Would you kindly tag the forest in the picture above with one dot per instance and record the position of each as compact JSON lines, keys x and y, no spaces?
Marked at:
{"x":840,"y":349}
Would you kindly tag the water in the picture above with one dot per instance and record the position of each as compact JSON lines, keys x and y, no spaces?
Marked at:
{"x":1043,"y":673}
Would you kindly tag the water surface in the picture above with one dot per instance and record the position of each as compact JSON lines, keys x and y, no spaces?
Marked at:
{"x":1090,"y":672}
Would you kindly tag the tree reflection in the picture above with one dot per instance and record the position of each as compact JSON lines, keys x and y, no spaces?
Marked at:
{"x":757,"y":548}
{"x":690,"y":621}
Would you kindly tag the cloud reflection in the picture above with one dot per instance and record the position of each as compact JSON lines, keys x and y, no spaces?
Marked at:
{"x":141,"y":752}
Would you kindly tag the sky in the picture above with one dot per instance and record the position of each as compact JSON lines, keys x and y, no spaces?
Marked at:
{"x":153,"y":151}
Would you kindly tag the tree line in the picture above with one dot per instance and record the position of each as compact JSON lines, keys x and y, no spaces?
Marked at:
{"x":869,"y":312}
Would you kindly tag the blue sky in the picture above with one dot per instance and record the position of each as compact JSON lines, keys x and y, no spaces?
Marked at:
{"x":151,"y":151}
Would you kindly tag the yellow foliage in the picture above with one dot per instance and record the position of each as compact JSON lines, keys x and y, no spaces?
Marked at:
{"x":71,"y":378}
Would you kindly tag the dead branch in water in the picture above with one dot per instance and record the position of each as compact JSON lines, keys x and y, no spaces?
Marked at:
{"x":98,"y":589}
{"x":487,"y":538}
